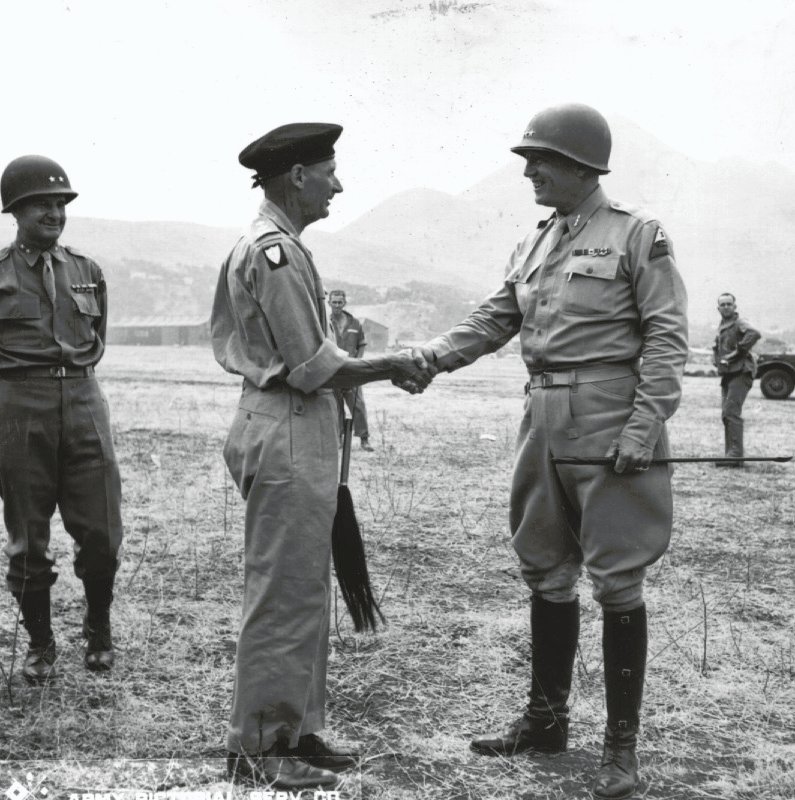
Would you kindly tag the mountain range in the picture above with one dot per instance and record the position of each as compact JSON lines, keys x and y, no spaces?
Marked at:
{"x":729,"y":221}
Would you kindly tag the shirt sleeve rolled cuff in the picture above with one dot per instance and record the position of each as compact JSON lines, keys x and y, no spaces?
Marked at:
{"x":643,"y":430}
{"x":447,"y":360}
{"x":315,"y":372}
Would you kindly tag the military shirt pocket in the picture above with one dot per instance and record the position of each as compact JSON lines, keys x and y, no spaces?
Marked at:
{"x":19,"y":320}
{"x":86,"y":311}
{"x":589,"y":289}
{"x":522,"y":293}
{"x":257,"y":450}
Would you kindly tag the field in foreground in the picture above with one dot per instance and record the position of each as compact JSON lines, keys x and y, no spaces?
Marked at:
{"x":719,"y":709}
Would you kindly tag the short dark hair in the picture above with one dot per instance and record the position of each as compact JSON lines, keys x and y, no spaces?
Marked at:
{"x":339,"y":293}
{"x":727,"y":294}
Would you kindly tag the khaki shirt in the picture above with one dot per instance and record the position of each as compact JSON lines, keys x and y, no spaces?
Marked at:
{"x":607,"y":292}
{"x":735,"y":337}
{"x":349,"y":334}
{"x":36,"y":333}
{"x":268,"y":320}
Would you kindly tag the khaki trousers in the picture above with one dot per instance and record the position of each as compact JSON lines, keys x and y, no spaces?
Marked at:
{"x":354,"y":399}
{"x":56,"y":449}
{"x":282,"y":454}
{"x":564,"y":517}
{"x":734,"y":389}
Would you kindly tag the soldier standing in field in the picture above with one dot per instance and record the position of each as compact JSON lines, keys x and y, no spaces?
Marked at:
{"x":736,"y":366}
{"x":599,"y":305}
{"x":57,"y":448}
{"x":269,"y":325}
{"x":349,"y":334}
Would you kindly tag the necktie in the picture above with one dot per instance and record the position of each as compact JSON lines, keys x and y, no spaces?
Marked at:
{"x":48,"y":276}
{"x":554,"y":236}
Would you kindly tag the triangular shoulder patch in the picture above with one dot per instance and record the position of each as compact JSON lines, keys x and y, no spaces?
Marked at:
{"x":275,"y":255}
{"x":659,"y":247}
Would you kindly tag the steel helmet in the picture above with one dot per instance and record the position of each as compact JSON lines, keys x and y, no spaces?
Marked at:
{"x":576,"y":131}
{"x":29,"y":176}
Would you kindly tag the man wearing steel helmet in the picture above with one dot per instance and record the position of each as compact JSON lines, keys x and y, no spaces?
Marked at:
{"x":57,"y":448}
{"x":599,"y":306}
{"x":269,"y":324}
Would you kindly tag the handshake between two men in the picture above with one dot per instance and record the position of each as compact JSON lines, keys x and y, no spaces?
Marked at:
{"x":415,"y":370}
{"x":410,"y":370}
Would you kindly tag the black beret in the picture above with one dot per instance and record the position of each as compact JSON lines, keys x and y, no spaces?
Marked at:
{"x":298,"y":143}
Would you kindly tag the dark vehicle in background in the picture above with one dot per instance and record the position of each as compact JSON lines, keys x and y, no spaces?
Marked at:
{"x":776,"y":374}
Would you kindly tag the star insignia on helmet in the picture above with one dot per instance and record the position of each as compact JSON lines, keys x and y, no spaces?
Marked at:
{"x":52,"y":178}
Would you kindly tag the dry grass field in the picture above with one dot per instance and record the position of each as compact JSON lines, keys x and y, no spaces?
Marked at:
{"x":719,"y":711}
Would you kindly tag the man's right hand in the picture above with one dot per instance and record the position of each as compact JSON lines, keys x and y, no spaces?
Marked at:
{"x":413,"y":372}
{"x":424,"y":358}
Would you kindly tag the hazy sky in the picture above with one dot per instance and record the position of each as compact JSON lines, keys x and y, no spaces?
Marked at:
{"x":147,"y":104}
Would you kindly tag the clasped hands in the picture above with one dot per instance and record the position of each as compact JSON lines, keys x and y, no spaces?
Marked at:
{"x":413,"y":370}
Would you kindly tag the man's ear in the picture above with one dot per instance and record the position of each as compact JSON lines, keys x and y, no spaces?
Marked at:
{"x":297,"y":175}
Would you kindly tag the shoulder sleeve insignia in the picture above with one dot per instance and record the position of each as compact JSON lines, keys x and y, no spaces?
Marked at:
{"x":275,"y":256}
{"x":659,"y":247}
{"x":4,"y":251}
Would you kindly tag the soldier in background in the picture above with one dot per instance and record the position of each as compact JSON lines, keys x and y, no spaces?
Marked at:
{"x":736,"y":366}
{"x":56,"y":447}
{"x":349,"y":334}
{"x":600,"y":308}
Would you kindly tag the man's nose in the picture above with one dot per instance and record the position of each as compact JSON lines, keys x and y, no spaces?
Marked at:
{"x":337,"y":186}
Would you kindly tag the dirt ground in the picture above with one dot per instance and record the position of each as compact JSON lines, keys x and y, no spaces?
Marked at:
{"x":719,"y":708}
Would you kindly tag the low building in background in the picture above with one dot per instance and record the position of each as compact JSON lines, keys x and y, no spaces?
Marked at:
{"x":196,"y":330}
{"x":160,"y":331}
{"x":375,"y":334}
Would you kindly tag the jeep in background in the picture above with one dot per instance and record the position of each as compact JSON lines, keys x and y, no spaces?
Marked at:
{"x":776,"y":374}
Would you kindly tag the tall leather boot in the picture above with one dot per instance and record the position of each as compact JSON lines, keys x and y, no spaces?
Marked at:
{"x":544,"y":726}
{"x":99,"y":656}
{"x":39,"y":665}
{"x":624,"y":643}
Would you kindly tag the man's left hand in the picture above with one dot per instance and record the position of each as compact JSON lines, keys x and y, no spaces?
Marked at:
{"x":630,"y":456}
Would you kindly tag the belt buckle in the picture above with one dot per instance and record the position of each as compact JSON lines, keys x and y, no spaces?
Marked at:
{"x":547,"y":380}
{"x":58,"y":372}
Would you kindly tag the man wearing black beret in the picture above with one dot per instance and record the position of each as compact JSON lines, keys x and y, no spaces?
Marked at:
{"x":269,"y":325}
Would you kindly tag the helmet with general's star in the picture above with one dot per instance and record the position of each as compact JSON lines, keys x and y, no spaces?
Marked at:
{"x":573,"y":130}
{"x":31,"y":176}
